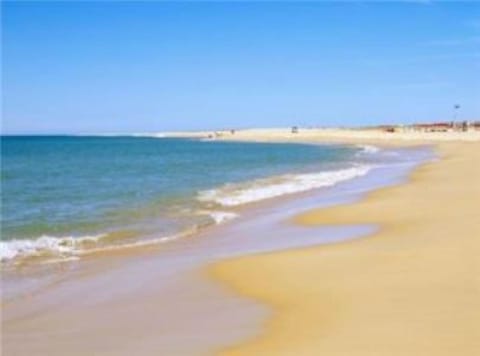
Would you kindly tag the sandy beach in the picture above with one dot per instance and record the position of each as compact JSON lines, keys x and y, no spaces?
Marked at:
{"x":258,"y":178}
{"x":403,"y":136}
{"x":413,"y":288}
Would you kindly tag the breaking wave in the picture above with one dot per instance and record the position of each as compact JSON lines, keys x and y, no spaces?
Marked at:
{"x":45,"y":245}
{"x":52,"y":248}
{"x":368,"y":149}
{"x":238,"y":194}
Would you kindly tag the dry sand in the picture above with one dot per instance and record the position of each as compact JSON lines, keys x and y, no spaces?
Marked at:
{"x":413,"y":288}
{"x":401,"y":136}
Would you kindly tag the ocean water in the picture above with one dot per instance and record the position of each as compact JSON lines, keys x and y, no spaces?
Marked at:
{"x":65,"y":196}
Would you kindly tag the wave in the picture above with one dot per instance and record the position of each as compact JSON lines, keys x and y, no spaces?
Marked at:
{"x":67,"y":248}
{"x":368,"y":149}
{"x":261,"y":189}
{"x":221,"y":217}
{"x":47,"y":248}
{"x":43,"y":245}
{"x":52,"y":248}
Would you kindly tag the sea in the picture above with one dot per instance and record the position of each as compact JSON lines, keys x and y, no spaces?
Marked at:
{"x":64,"y":197}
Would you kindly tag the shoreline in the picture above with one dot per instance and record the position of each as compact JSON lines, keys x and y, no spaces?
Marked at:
{"x":328,"y":135}
{"x":140,"y":269}
{"x":209,"y":206}
{"x":235,"y":303}
{"x":386,"y":293}
{"x":226,"y":203}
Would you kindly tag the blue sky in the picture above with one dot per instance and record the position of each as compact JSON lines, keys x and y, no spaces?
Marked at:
{"x":153,"y":66}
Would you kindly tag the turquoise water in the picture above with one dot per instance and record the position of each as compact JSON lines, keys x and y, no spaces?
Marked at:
{"x":71,"y":189}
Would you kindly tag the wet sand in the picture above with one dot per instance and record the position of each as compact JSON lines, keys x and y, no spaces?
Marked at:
{"x":412,"y":288}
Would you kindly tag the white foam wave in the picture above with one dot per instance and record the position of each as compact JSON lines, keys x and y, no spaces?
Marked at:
{"x":222,"y":216}
{"x":233,"y":195}
{"x":66,"y":246}
{"x":69,"y":248}
{"x":369,"y":149}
